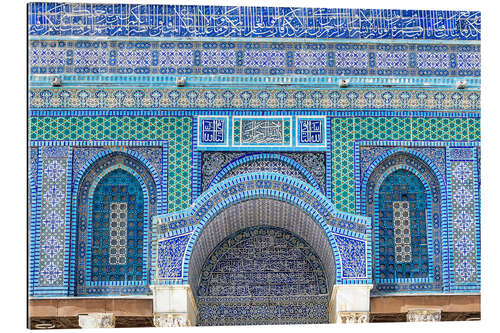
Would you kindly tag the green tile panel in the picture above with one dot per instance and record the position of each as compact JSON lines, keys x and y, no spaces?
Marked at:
{"x":177,"y":130}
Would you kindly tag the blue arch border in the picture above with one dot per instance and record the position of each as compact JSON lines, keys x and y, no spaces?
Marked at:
{"x":406,"y":147}
{"x":430,"y":250}
{"x":71,"y":230}
{"x":208,"y":211}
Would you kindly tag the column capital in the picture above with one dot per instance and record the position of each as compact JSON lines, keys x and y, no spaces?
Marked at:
{"x":96,"y":320}
{"x":170,"y":320}
{"x":423,"y":315}
{"x":353,"y":317}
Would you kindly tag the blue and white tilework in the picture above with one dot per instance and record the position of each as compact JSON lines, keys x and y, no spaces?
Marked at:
{"x":251,"y":58}
{"x":88,"y":282}
{"x":353,"y":254}
{"x":53,"y":215}
{"x":171,"y":256}
{"x":307,"y":166}
{"x":463,"y":214}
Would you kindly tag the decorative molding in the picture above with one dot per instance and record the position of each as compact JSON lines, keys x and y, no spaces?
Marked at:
{"x":96,"y":320}
{"x":353,"y":317}
{"x":140,"y":57}
{"x":278,"y":81}
{"x":170,"y":320}
{"x":419,"y":315}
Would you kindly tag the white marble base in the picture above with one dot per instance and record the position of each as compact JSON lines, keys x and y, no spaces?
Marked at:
{"x":350,"y":303}
{"x":96,"y":320}
{"x":174,"y":303}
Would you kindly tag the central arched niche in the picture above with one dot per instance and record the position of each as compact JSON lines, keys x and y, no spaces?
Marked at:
{"x":287,"y":220}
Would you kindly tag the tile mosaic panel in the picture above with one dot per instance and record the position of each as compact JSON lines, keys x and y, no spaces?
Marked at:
{"x":271,"y":98}
{"x":353,"y":254}
{"x":403,"y":177}
{"x":54,"y":163}
{"x":262,"y":261}
{"x":463,"y":212}
{"x":117,"y":228}
{"x":284,"y":266}
{"x":177,"y":131}
{"x":346,"y":130}
{"x":213,"y":162}
{"x":252,"y":58}
{"x":215,"y":311}
{"x":170,"y":256}
{"x":64,"y":19}
{"x":402,"y":228}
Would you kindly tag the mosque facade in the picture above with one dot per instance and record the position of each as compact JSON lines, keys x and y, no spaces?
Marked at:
{"x":211,"y":165}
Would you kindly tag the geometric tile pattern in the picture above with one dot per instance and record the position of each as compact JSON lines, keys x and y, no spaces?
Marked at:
{"x":402,"y":228}
{"x":402,"y":232}
{"x":56,"y":19}
{"x":53,"y":215}
{"x":463,"y":217}
{"x":251,"y":98}
{"x":177,"y":130}
{"x":117,"y":228}
{"x":198,"y":58}
{"x":118,"y":231}
{"x":346,"y":130}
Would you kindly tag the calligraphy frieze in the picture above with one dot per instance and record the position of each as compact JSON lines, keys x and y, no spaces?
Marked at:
{"x":76,"y":19}
{"x":262,"y":131}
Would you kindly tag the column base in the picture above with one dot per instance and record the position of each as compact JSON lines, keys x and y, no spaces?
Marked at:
{"x":96,"y":320}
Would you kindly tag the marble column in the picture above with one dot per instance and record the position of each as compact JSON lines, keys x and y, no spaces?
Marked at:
{"x":173,"y":306}
{"x":350,"y":304}
{"x":417,"y":315}
{"x":96,"y":320}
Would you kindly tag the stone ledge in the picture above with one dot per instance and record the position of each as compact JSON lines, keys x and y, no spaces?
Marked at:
{"x":68,"y":307}
{"x":446,"y":303}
